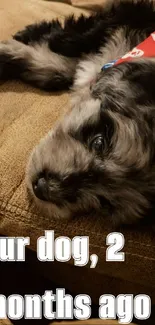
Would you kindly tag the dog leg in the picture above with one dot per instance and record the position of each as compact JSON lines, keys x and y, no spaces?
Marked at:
{"x":77,"y":36}
{"x":36,"y":65}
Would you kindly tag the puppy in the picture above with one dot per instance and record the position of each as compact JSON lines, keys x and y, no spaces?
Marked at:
{"x":102,"y":153}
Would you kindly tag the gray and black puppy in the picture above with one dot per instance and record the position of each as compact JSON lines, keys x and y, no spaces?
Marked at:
{"x":103,"y":151}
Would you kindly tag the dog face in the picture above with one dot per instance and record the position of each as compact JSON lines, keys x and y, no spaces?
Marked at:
{"x":102,"y":151}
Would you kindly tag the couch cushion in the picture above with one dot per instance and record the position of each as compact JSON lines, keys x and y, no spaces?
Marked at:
{"x":89,"y":4}
{"x":26,"y":115}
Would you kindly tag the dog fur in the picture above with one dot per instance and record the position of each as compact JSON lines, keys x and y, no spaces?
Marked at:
{"x":102,"y":153}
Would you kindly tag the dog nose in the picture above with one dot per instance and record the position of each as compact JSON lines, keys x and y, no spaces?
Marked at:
{"x":40,"y":188}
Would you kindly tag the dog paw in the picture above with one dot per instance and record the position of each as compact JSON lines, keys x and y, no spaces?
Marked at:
{"x":8,"y":50}
{"x":22,"y":37}
{"x":5,"y":47}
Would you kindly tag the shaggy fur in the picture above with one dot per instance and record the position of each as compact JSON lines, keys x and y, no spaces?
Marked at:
{"x":103,"y":152}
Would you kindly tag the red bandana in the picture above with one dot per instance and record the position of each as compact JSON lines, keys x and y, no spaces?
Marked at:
{"x":144,"y":49}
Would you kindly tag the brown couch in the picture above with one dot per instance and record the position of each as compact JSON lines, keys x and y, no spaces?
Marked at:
{"x":26,"y":114}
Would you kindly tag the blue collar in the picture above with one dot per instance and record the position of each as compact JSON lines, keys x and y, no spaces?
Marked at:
{"x":109,"y":65}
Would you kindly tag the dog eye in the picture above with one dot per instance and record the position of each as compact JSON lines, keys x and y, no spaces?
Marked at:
{"x":97,"y":144}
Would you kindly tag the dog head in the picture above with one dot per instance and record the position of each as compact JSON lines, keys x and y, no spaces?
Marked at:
{"x":102,"y":151}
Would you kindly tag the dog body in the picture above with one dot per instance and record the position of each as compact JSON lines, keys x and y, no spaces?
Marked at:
{"x":103,"y":151}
